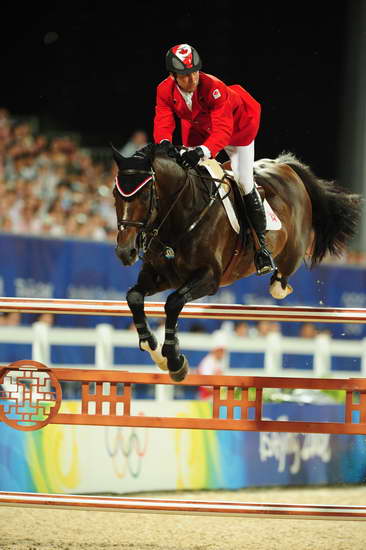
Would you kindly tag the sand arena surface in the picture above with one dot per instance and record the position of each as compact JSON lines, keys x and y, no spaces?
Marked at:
{"x":38,"y":529}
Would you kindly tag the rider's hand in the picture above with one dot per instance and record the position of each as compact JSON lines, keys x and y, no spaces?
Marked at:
{"x":190,"y":159}
{"x":167,"y":147}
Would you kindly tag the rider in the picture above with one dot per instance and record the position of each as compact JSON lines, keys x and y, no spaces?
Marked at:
{"x":213,"y":116}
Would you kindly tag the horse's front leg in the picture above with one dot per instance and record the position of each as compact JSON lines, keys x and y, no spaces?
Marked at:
{"x":203,"y":283}
{"x":136,"y":298}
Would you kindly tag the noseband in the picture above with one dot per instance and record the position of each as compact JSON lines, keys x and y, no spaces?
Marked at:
{"x":153,"y":200}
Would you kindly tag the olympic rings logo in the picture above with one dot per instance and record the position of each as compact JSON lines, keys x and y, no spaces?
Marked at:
{"x":127,"y":449}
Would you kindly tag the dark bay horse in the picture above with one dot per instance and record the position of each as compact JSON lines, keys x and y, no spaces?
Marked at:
{"x":175,"y":220}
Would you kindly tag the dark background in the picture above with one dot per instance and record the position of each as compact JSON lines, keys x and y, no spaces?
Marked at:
{"x":93,"y":69}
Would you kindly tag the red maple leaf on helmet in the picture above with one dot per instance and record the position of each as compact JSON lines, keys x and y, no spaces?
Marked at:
{"x":184,"y":53}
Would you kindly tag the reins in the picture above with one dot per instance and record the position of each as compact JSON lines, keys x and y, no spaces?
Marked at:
{"x":213,"y":197}
{"x":168,"y":252}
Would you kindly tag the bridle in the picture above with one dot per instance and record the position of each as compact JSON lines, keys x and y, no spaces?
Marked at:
{"x":144,"y":226}
{"x":147,"y":233}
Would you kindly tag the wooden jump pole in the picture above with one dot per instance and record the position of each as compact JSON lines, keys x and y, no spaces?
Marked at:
{"x":190,"y":310}
{"x":185,"y":507}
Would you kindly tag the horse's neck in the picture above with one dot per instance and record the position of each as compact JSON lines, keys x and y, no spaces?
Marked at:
{"x":176,"y":191}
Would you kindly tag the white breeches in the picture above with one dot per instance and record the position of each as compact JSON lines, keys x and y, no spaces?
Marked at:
{"x":242,"y":162}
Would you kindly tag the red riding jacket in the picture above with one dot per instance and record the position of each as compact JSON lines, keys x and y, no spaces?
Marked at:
{"x":221,"y":115}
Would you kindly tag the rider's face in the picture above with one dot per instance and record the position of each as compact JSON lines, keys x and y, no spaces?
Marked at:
{"x":188,"y":82}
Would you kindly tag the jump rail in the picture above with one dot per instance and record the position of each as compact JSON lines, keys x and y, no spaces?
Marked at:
{"x":186,"y":507}
{"x":190,"y":310}
{"x":35,"y":398}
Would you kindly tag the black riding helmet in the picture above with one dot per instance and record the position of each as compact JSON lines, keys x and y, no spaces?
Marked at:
{"x":182,"y":59}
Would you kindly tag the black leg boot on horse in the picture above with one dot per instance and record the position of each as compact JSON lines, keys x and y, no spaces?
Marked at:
{"x":147,"y":341}
{"x":263,"y":260}
{"x":203,"y":283}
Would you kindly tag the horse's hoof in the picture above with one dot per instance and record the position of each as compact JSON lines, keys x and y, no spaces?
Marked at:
{"x":181,"y":373}
{"x":162,"y":365}
{"x":289,"y":289}
{"x":278,"y":292}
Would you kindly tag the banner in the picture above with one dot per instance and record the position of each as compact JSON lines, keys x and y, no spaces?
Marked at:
{"x":89,"y":459}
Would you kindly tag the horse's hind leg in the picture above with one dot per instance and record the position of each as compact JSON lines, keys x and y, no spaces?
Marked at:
{"x":287,"y":263}
{"x":202,"y":284}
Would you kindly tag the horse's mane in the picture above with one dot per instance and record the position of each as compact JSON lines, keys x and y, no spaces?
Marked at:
{"x":147,"y":151}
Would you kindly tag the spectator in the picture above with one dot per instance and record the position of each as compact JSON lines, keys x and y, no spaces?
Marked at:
{"x":136,"y":141}
{"x":241,"y":329}
{"x":214,"y":362}
{"x":308,"y":330}
{"x":46,"y":318}
{"x":11,"y":318}
{"x":264,"y":327}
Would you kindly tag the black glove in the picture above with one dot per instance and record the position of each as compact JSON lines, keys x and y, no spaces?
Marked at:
{"x":190,"y":159}
{"x":167,"y":147}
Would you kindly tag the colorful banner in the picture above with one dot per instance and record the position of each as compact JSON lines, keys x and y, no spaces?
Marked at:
{"x":86,"y":459}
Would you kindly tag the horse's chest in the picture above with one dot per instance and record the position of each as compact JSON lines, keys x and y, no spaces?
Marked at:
{"x":173,"y":271}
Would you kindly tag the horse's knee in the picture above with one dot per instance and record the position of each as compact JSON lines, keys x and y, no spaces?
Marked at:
{"x":135,"y":298}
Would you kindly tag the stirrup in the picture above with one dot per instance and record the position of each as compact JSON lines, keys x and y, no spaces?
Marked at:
{"x":264,"y":262}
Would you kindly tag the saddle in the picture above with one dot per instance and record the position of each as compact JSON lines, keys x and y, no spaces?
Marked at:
{"x":232,"y":196}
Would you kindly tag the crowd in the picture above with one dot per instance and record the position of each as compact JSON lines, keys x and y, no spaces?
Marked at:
{"x":52,"y":186}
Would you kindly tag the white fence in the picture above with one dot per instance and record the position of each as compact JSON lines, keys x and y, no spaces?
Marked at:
{"x":104,"y":338}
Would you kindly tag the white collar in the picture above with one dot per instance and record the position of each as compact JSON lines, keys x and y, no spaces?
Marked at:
{"x":187,"y":96}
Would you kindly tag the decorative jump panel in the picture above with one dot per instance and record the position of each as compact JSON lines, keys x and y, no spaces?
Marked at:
{"x":32,"y":398}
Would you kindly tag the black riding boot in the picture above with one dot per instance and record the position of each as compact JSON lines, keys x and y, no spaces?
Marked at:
{"x":255,"y":210}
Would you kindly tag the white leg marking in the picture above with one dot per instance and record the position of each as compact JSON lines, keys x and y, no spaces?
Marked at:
{"x":155,"y":354}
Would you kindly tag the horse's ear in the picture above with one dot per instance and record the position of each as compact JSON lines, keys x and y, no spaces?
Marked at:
{"x":117,"y":155}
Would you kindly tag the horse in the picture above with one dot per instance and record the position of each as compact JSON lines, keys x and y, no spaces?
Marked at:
{"x":174,"y":220}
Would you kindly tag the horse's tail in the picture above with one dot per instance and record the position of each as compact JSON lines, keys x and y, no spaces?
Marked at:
{"x":336,"y":212}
